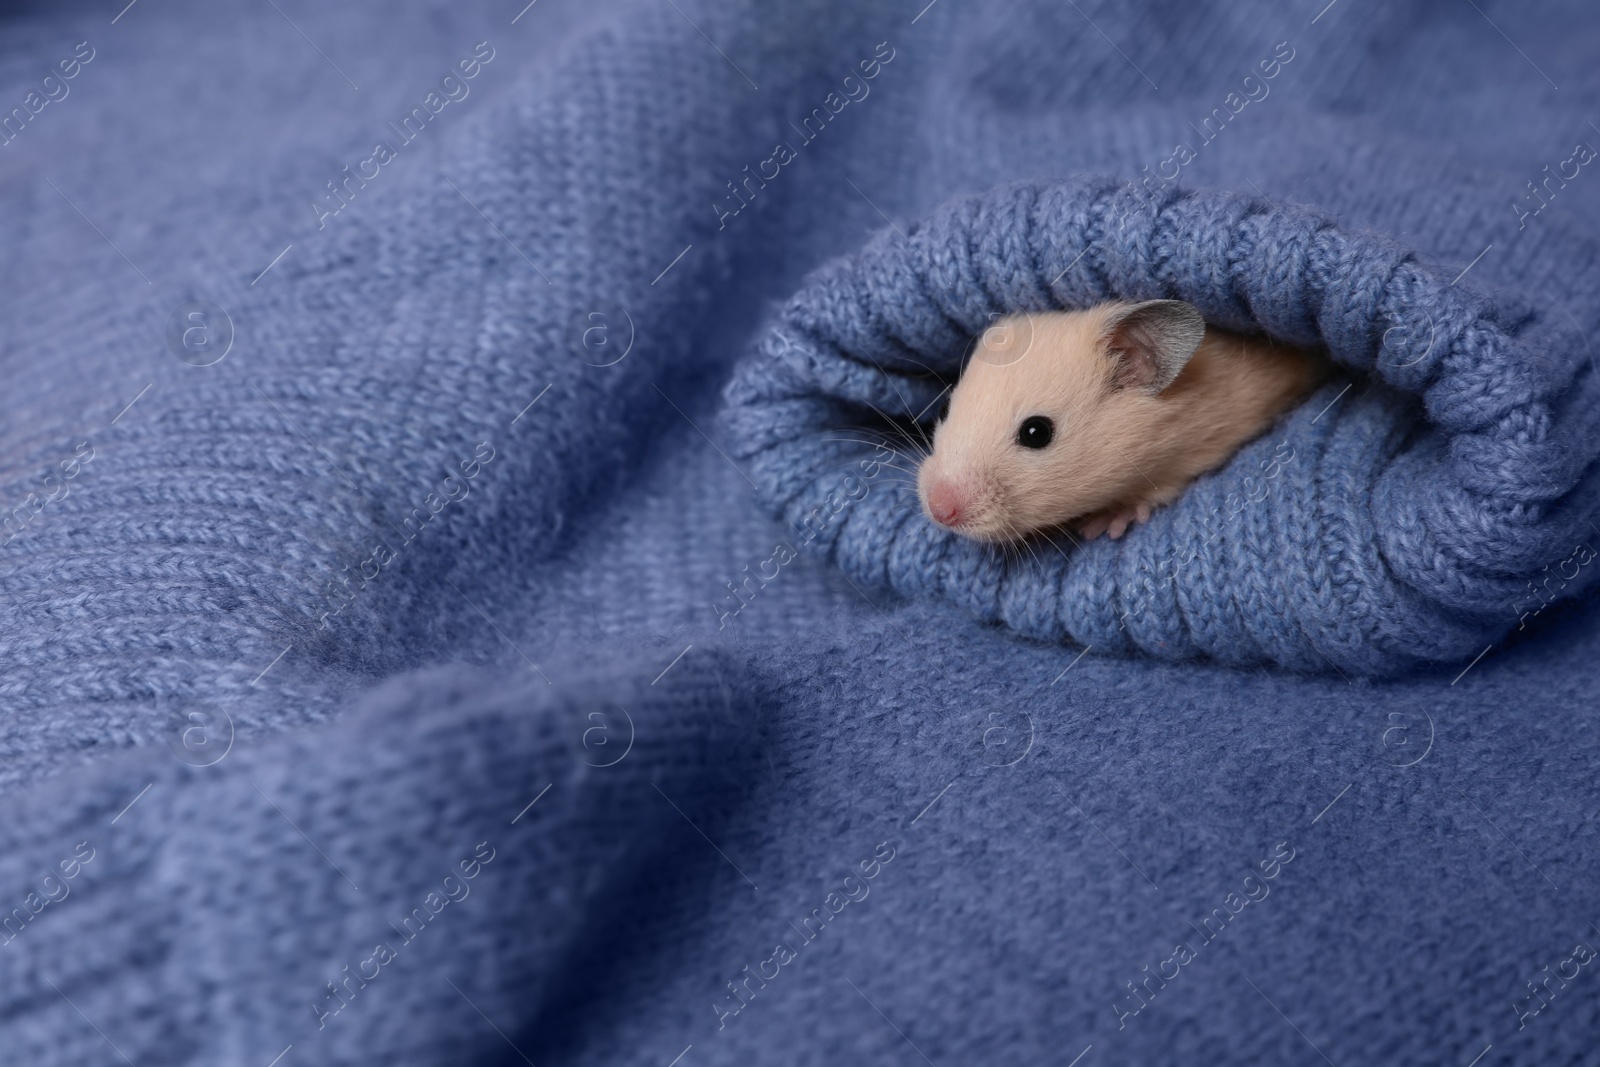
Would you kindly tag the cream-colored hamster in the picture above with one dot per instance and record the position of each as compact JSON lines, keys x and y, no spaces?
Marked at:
{"x":1092,"y":418}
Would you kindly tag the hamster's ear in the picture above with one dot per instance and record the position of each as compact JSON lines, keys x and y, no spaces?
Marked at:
{"x":1150,"y":343}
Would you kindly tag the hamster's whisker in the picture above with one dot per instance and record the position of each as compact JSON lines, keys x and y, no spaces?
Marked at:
{"x":931,"y":372}
{"x":1052,"y":543}
{"x":1049,"y":537}
{"x":922,"y":430}
{"x":882,"y":462}
{"x":917,"y":447}
{"x":901,"y":438}
{"x":882,"y":442}
{"x":826,"y":471}
{"x":888,"y":419}
{"x":887,"y":377}
{"x":897,"y":428}
{"x":917,"y":418}
{"x":1022,"y":542}
{"x":843,"y":437}
{"x":874,"y":437}
{"x":1003,"y":548}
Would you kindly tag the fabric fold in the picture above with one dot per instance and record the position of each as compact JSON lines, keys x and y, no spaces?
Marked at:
{"x":1341,"y":537}
{"x":307,"y":891}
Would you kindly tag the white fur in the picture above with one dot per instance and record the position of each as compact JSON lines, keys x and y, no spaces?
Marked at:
{"x":1117,"y":452}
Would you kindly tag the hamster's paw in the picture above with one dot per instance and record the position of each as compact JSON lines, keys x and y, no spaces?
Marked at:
{"x":1094,"y":526}
{"x":1115,"y":521}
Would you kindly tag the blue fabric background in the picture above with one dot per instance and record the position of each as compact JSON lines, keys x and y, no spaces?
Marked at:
{"x":288,"y":651}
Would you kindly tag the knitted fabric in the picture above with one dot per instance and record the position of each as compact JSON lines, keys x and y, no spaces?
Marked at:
{"x":447,"y":799}
{"x":433,"y":644}
{"x":1394,"y":519}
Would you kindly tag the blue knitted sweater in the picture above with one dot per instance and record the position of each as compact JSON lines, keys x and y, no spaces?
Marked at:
{"x":454,"y":607}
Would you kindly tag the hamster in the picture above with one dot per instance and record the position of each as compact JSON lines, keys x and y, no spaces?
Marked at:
{"x":1093,"y":418}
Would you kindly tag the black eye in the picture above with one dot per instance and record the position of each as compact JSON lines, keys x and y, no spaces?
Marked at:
{"x":1036,"y":431}
{"x":944,"y":409}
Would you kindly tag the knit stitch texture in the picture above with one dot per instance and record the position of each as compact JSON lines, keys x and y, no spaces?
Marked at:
{"x":1339,"y":539}
{"x":423,"y":680}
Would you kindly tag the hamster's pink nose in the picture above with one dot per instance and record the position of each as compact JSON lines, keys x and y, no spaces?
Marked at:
{"x":945,"y":503}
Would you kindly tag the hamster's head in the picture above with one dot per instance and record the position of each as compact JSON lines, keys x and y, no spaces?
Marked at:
{"x":1046,"y":422}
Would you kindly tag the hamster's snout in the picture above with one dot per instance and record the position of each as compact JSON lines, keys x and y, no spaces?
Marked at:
{"x":946,"y":503}
{"x":958,"y":495}
{"x":955,"y":500}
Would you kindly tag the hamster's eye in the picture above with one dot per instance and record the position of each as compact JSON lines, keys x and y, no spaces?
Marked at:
{"x":944,"y":409}
{"x":1036,"y":431}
